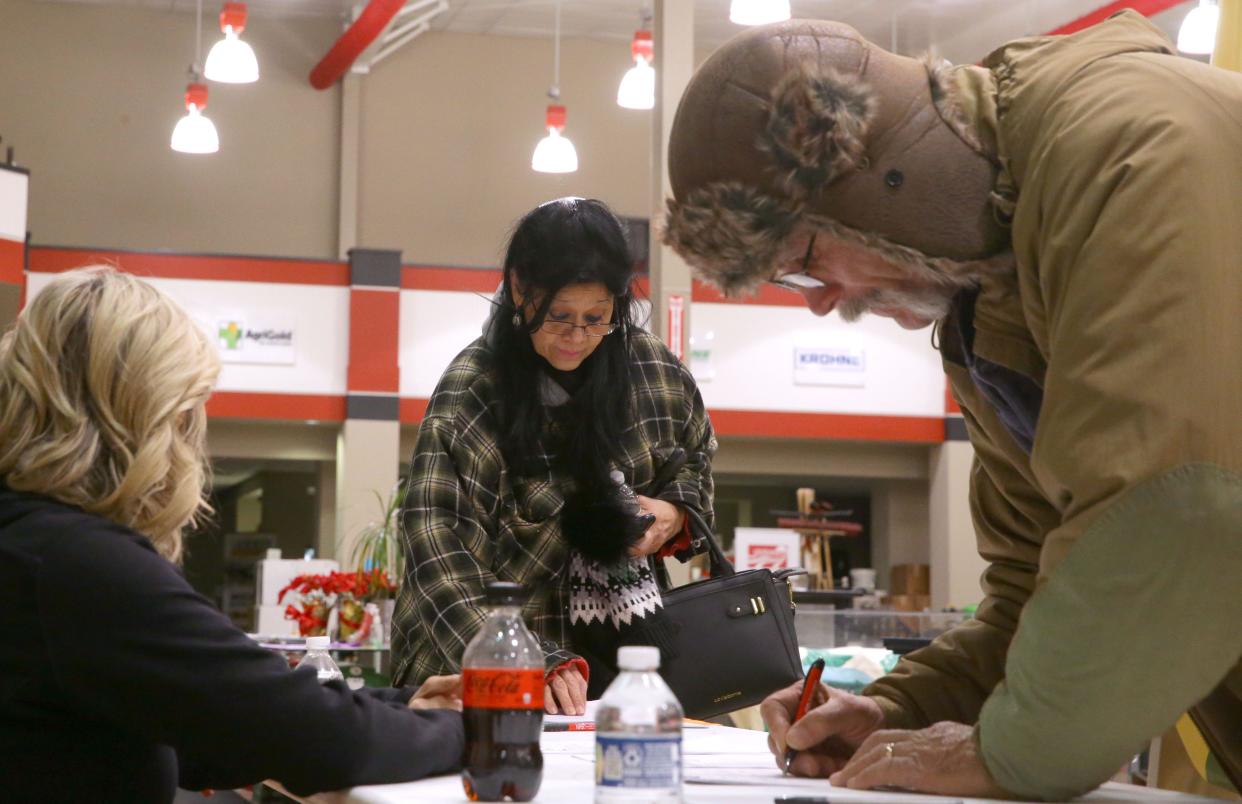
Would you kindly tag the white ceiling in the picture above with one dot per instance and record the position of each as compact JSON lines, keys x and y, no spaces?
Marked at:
{"x":961,"y":30}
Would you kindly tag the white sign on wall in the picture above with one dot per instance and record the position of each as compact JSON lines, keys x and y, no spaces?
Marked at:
{"x":770,"y":548}
{"x":819,"y":365}
{"x":701,"y":365}
{"x":247,"y":341}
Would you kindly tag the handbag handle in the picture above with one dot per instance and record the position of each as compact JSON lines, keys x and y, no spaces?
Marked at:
{"x":700,"y":532}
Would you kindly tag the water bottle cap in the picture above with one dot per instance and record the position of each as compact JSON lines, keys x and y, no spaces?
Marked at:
{"x":317,"y":643}
{"x":638,"y":657}
{"x":505,"y":593}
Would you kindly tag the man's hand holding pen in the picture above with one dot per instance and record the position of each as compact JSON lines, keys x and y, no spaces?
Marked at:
{"x":834,"y":727}
{"x":841,"y":737}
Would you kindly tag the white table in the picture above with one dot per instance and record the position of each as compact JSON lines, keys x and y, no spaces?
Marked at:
{"x":569,"y":775}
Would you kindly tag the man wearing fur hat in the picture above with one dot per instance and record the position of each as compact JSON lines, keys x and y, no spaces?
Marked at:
{"x":1066,"y":216}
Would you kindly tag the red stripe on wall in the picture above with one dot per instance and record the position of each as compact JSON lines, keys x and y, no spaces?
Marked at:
{"x":374,"y":317}
{"x":480,"y":280}
{"x":240,"y":405}
{"x":1145,"y":7}
{"x":475,"y":280}
{"x":413,"y":409}
{"x":52,"y":259}
{"x":844,"y":427}
{"x":12,"y":261}
{"x":774,"y":424}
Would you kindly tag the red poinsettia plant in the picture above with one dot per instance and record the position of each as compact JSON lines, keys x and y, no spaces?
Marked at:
{"x":319,"y":593}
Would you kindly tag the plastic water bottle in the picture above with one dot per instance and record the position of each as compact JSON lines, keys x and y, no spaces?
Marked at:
{"x":638,"y":734}
{"x":317,"y":656}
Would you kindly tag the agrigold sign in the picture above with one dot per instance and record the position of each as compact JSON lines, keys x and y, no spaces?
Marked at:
{"x":242,"y":341}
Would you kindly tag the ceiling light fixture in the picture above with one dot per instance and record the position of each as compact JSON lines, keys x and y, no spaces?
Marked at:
{"x":555,"y":153}
{"x":637,"y":90}
{"x":195,"y":133}
{"x":758,"y":12}
{"x":1198,"y":32}
{"x":232,"y":61}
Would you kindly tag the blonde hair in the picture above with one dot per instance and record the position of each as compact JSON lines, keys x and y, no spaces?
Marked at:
{"x":103,"y":386}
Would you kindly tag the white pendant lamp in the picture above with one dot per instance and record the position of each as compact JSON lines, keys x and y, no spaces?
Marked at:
{"x":194,"y":133}
{"x":1198,"y":32}
{"x":232,"y":61}
{"x":637,"y":90}
{"x":555,"y":153}
{"x":758,"y":12}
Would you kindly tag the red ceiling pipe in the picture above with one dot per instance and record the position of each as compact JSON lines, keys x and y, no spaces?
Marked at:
{"x":370,"y":24}
{"x":1145,"y":7}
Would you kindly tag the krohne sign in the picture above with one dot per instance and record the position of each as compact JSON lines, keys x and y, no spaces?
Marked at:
{"x":242,"y":341}
{"x":820,"y":365}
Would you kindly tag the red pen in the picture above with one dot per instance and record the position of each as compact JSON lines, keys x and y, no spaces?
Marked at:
{"x":578,"y":725}
{"x":808,"y":689}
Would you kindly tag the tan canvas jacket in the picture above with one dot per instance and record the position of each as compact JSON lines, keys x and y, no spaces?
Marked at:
{"x":1113,"y":597}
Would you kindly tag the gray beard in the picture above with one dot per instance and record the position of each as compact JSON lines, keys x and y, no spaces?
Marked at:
{"x":928,"y":303}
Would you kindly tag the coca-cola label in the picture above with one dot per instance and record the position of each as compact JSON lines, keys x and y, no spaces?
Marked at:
{"x":501,"y":688}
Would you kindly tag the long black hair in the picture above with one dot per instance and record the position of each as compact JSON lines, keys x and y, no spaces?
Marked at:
{"x":569,"y":241}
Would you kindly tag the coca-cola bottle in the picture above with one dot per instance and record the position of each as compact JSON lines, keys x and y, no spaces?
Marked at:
{"x":502,"y":702}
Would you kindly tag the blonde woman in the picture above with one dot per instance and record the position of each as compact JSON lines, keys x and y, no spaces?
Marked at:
{"x":117,"y":680}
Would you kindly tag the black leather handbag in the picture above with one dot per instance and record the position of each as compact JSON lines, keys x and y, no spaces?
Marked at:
{"x":731,"y":639}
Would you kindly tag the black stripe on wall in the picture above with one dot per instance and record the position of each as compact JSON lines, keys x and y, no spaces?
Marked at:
{"x":373,"y":407}
{"x":375,"y":267}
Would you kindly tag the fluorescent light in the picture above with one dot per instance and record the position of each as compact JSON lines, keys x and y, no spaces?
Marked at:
{"x":758,"y":12}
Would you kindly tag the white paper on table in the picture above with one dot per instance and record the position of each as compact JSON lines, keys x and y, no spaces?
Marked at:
{"x":770,"y":777}
{"x":586,"y":717}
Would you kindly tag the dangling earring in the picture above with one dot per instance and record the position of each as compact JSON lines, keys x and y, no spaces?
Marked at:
{"x":517,"y":320}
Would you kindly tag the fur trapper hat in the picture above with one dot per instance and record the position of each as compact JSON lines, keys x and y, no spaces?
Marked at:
{"x":807,"y":122}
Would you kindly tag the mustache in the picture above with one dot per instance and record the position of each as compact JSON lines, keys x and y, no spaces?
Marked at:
{"x":929,"y":303}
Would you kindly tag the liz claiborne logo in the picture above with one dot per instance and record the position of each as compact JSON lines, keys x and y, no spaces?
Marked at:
{"x":235,"y":335}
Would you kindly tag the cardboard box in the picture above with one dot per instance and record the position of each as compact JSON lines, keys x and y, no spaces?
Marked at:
{"x":910,"y":579}
{"x":909,"y":602}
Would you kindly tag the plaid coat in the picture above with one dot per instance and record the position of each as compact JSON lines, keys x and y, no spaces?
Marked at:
{"x":467,"y":520}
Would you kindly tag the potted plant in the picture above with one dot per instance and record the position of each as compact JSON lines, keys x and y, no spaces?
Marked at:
{"x":378,"y":547}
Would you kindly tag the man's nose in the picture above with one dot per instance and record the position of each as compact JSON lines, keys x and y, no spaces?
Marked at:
{"x":821,"y":301}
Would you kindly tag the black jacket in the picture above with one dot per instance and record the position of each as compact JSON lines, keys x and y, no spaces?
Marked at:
{"x":118,"y":681}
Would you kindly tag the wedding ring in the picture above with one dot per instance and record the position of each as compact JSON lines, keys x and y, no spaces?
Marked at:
{"x":888,"y":750}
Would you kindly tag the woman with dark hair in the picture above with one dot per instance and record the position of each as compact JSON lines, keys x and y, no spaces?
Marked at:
{"x":532,"y":458}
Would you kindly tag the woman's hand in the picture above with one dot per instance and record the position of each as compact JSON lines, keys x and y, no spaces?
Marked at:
{"x":565,"y":692}
{"x":438,"y":692}
{"x":669,"y":520}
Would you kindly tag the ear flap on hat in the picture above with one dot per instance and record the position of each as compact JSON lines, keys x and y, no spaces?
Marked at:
{"x":817,"y":127}
{"x":730,"y":232}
